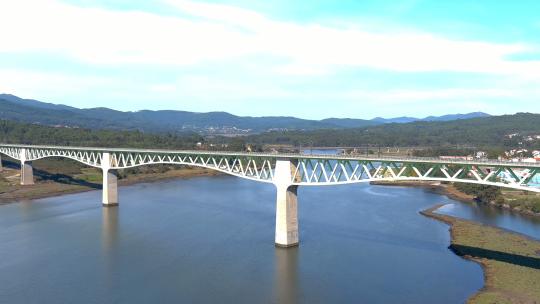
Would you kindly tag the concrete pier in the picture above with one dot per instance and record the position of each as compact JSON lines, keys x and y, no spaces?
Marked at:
{"x":1,"y":167}
{"x":27,"y":173}
{"x":286,"y":205}
{"x":110,"y":189}
{"x":110,"y":183}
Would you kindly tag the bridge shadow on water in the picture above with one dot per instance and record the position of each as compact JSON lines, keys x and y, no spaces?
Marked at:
{"x":525,"y":261}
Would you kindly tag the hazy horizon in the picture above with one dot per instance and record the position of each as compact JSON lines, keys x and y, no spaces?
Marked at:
{"x":363,"y":118}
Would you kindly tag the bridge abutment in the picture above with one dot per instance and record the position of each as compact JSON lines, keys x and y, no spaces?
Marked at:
{"x":110,"y":183}
{"x":286,"y":205}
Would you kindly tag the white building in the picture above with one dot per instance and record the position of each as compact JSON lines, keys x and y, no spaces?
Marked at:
{"x":481,"y":154}
{"x":512,"y":135}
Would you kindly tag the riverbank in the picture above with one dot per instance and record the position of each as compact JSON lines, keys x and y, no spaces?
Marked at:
{"x":11,"y":191}
{"x":515,"y":200}
{"x":511,"y":261}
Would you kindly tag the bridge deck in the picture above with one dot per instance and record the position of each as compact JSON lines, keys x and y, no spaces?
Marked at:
{"x":292,"y":156}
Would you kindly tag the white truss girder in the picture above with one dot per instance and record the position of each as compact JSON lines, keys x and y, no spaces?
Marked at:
{"x":312,"y":171}
{"x":308,"y":170}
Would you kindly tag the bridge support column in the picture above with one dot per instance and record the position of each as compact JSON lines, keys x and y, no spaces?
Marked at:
{"x":286,"y":205}
{"x":110,"y":183}
{"x":27,"y":172}
{"x":1,"y":167}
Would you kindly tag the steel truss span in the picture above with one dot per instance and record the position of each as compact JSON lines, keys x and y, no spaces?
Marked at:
{"x":332,"y":172}
{"x":307,"y":170}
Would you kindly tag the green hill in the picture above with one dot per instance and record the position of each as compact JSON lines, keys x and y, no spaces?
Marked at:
{"x":37,"y":112}
{"x":486,"y":131}
{"x":23,"y":133}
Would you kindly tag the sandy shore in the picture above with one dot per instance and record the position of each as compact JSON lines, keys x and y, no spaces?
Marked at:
{"x":15,"y":192}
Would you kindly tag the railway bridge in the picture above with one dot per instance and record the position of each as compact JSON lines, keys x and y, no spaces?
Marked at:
{"x":286,"y":171}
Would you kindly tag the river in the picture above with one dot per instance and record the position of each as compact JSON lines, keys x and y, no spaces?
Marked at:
{"x":479,"y":212}
{"x":210,"y":240}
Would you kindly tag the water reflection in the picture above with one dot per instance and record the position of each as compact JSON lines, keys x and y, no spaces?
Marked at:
{"x":109,"y":228}
{"x":286,"y":275}
{"x":26,"y":207}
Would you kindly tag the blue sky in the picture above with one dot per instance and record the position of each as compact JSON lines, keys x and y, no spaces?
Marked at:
{"x":310,"y":59}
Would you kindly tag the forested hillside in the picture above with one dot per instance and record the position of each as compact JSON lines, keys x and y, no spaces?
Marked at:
{"x":169,"y":121}
{"x":32,"y":111}
{"x":491,"y":131}
{"x":21,"y":133}
{"x":488,"y":131}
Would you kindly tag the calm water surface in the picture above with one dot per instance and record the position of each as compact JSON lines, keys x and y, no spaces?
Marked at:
{"x":210,"y":240}
{"x":527,"y":225}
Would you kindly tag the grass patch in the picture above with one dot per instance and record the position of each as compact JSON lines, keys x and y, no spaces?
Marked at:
{"x":511,"y":261}
{"x":522,"y":201}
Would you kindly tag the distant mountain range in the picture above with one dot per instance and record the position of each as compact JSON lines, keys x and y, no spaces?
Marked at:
{"x":37,"y":112}
{"x":448,"y":117}
{"x":359,"y":123}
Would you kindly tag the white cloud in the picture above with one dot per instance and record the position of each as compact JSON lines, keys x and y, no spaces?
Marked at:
{"x":212,"y":32}
{"x":273,"y":62}
{"x":409,"y":96}
{"x":31,"y":83}
{"x":208,"y":88}
{"x":111,"y":37}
